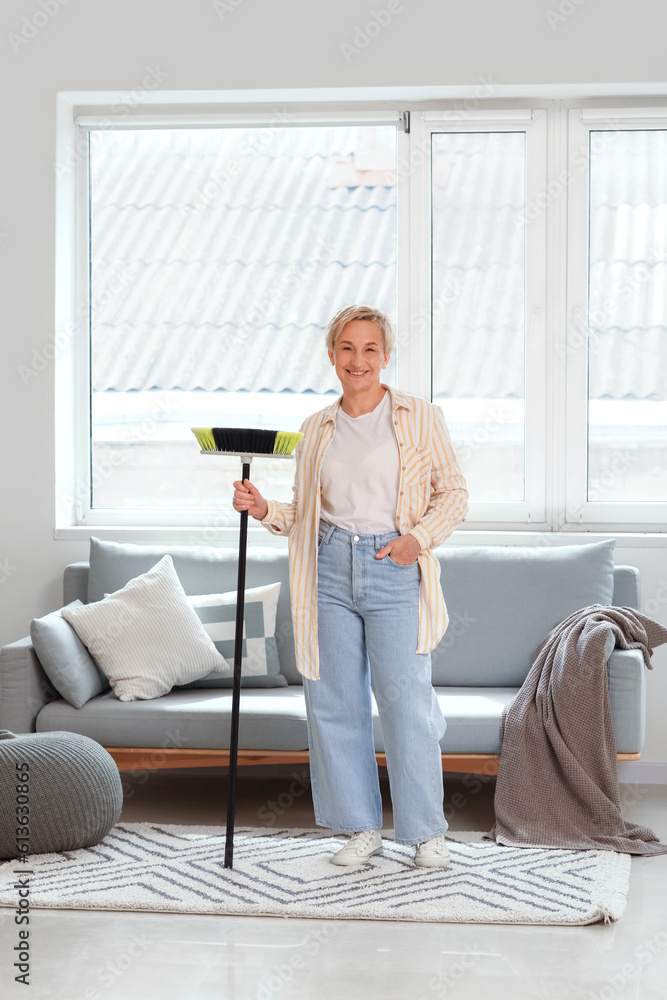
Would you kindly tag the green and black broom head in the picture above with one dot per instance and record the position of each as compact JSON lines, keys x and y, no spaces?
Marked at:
{"x":246,"y":441}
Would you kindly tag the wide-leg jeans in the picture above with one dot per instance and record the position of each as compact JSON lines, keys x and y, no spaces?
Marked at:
{"x":368,"y":622}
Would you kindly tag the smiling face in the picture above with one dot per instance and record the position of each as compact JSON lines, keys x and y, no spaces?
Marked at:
{"x":358,"y":355}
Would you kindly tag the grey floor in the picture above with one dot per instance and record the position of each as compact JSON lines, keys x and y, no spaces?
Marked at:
{"x":122,"y":956}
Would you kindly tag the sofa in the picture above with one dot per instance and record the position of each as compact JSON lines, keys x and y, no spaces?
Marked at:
{"x":501,"y":602}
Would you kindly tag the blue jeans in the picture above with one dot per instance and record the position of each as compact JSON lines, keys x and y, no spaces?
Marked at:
{"x":368,"y":622}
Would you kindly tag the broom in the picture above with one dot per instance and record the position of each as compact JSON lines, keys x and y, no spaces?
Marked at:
{"x":247,"y":444}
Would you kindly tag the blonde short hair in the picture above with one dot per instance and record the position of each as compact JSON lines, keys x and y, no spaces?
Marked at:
{"x":345,"y":316}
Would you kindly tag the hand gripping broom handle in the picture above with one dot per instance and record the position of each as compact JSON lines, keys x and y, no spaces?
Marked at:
{"x":236,"y":684}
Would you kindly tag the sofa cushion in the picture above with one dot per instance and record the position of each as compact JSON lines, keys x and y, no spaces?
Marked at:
{"x":146,"y":637}
{"x":268,"y":720}
{"x":276,"y":719}
{"x":260,"y":666}
{"x":503,"y":601}
{"x":472,"y":716}
{"x":66,"y":661}
{"x":202,"y":570}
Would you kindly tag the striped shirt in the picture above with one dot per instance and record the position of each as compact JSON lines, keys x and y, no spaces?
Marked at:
{"x":432,"y":502}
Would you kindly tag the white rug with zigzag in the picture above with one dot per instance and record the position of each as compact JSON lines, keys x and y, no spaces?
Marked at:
{"x":287,"y":872}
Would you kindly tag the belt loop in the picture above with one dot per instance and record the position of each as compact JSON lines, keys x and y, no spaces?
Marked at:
{"x":328,"y":534}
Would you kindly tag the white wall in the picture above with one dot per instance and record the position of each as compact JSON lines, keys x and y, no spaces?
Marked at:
{"x":108,"y":44}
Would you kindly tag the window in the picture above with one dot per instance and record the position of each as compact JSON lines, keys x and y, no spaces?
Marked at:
{"x":478,"y":260}
{"x":617,"y":340}
{"x":485,"y":304}
{"x":230,"y":248}
{"x":520,"y":251}
{"x":627,"y":390}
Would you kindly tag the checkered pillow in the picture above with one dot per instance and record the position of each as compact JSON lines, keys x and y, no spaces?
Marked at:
{"x":260,"y":666}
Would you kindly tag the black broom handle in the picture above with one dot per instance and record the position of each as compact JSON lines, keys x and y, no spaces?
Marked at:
{"x":236,"y":685}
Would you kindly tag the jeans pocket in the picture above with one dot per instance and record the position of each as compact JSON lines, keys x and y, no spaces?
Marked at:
{"x":401,"y":565}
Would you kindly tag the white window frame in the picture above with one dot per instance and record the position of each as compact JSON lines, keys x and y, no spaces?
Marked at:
{"x":618,"y":515}
{"x":556,"y":431}
{"x":532,"y":509}
{"x":73,"y":420}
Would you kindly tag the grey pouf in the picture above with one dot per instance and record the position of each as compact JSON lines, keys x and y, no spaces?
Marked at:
{"x":72,"y":798}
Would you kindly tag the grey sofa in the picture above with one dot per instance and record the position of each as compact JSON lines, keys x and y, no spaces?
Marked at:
{"x":501,"y":600}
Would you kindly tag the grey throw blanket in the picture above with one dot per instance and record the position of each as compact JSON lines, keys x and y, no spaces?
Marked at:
{"x":557,"y":782}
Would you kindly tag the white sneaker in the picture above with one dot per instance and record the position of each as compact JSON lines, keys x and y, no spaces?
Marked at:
{"x":433,"y":853}
{"x":359,"y":848}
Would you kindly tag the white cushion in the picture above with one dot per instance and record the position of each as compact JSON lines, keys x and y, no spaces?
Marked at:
{"x":147,"y":637}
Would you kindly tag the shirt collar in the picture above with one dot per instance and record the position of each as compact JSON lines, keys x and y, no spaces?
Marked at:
{"x":398,"y":399}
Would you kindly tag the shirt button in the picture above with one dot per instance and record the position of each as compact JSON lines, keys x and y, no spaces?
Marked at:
{"x":395,"y":421}
{"x":401,"y":493}
{"x":356,"y":538}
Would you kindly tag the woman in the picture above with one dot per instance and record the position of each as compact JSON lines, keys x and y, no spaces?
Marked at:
{"x":376,"y":488}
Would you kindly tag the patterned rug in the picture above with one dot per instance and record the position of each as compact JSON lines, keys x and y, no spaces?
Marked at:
{"x":287,"y":872}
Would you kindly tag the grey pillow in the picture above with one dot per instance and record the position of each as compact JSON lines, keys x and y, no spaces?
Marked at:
{"x":504,"y":600}
{"x":201,"y":569}
{"x":67,"y":663}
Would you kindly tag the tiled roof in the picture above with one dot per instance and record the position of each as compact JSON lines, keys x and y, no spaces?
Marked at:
{"x":628,"y":253}
{"x":229,"y":285}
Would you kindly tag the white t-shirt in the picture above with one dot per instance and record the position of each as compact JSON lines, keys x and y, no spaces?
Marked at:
{"x":360,"y":472}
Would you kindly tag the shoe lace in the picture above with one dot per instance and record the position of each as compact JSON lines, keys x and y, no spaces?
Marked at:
{"x":437,"y":843}
{"x":362,"y":838}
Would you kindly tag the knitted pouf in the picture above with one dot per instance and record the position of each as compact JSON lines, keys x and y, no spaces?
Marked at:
{"x":68,"y":796}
